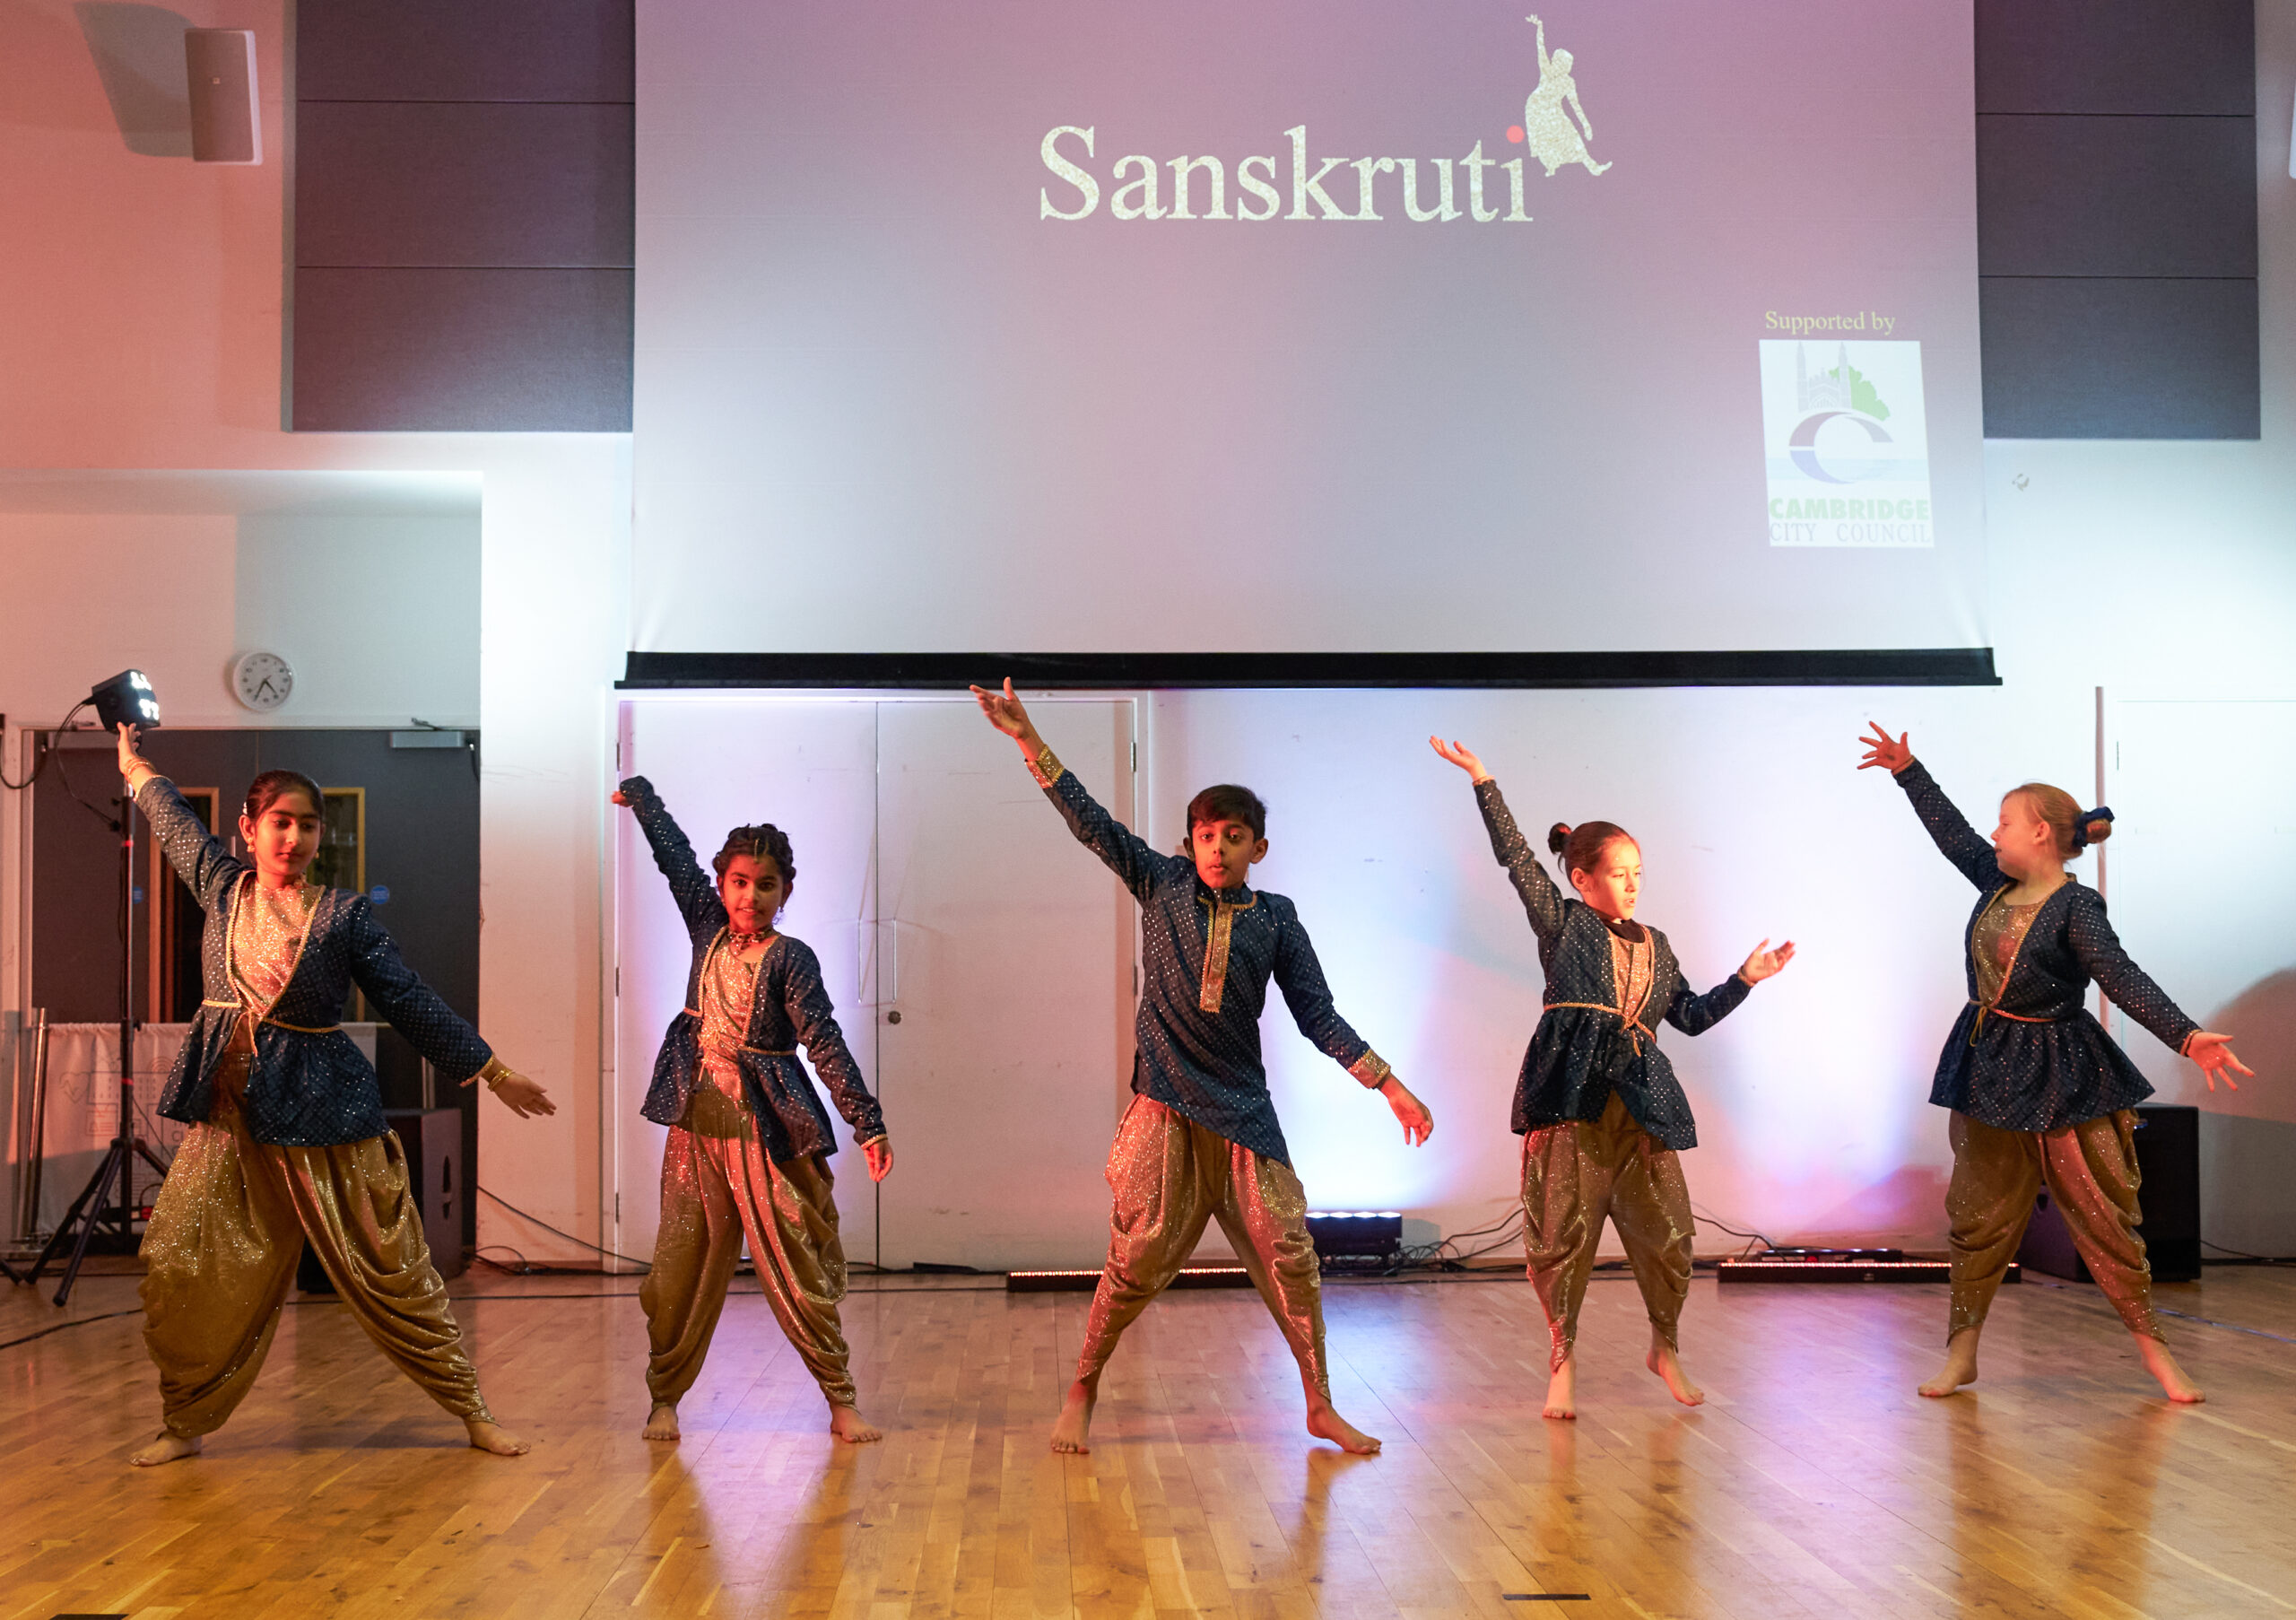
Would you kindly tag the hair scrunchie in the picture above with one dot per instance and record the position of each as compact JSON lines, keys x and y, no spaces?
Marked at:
{"x":2081,"y":827}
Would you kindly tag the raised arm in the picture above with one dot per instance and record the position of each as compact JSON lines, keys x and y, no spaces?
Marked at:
{"x":1948,"y":828}
{"x":204,"y":861}
{"x":1543,"y":903}
{"x":689,"y":885}
{"x":1123,"y":851}
{"x":811,"y":1015}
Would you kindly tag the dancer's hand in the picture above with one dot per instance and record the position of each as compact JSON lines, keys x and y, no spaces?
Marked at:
{"x":130,"y":761}
{"x":1005,"y":711}
{"x":880,"y":1154}
{"x":1418,"y":1119}
{"x":2214,"y":1053}
{"x":1764,"y":962}
{"x":523,"y":1097}
{"x":1892,"y":756}
{"x":618,"y":797}
{"x":1461,"y":755}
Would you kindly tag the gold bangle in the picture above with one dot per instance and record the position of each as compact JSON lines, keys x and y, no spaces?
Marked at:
{"x":1045,"y":767}
{"x":1372,"y":1071}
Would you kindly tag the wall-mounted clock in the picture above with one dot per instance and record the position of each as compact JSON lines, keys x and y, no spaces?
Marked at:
{"x":262,"y":681}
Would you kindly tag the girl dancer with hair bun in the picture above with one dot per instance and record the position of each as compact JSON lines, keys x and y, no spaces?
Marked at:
{"x":749,"y":1145}
{"x":2039,"y":1093}
{"x":1603,"y":1120}
{"x":288,"y":1143}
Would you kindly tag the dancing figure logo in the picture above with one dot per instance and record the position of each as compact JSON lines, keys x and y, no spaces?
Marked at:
{"x":1846,"y":444}
{"x":1555,"y":129}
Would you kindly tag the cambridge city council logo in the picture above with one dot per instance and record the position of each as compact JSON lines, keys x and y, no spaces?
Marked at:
{"x":1203,"y":186}
{"x":1846,"y":444}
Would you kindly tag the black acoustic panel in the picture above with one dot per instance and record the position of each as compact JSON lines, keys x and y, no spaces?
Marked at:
{"x":1175,"y":671}
{"x":465,"y":50}
{"x":2116,"y":55}
{"x":462,"y":350}
{"x":462,"y":183}
{"x":2080,"y":196}
{"x":2093,"y":358}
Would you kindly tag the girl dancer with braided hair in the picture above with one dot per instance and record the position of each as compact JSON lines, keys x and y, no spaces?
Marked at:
{"x":288,"y":1143}
{"x":749,"y":1145}
{"x":2039,"y":1093}
{"x":1603,"y":1120}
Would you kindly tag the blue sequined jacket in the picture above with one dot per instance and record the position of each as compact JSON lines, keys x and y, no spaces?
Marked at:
{"x":791,"y":1009}
{"x":2048,"y":1063}
{"x":1210,"y":953}
{"x":1581,"y":1054}
{"x":310,"y":1085}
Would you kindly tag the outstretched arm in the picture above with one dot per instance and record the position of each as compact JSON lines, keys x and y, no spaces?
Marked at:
{"x":689,"y":886}
{"x":1543,"y":903}
{"x":204,"y":861}
{"x":2132,"y":989}
{"x":1301,"y":977}
{"x":1541,"y":28}
{"x":807,"y":1002}
{"x":1123,"y":852}
{"x":1949,"y":829}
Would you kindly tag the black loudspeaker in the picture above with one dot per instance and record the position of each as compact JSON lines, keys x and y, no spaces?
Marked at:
{"x":433,"y":1140}
{"x":219,"y":70}
{"x":2168,"y":1160}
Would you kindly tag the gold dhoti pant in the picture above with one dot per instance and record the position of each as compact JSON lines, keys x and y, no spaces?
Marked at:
{"x":2090,"y":1169}
{"x":220,"y":1255}
{"x":718,"y":1186}
{"x":1574,"y":1175}
{"x":1170,"y":1177}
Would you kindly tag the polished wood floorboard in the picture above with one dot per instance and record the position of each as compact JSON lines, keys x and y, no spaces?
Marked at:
{"x":1814,"y":1482}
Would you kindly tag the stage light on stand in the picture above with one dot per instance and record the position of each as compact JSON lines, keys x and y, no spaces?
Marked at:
{"x":126,"y":699}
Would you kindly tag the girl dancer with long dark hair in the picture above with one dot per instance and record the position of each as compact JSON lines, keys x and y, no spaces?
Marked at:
{"x":288,"y":1144}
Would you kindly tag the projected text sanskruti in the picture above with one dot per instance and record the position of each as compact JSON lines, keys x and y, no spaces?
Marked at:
{"x":1199,"y":185}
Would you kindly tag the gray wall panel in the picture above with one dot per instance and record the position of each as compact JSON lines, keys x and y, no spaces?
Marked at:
{"x":2116,"y":55}
{"x":2091,"y":357}
{"x":2078,"y":196}
{"x":495,"y":184}
{"x":465,"y":50}
{"x":463,"y":350}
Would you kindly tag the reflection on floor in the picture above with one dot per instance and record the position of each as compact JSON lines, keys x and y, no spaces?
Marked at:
{"x":1814,"y":1483}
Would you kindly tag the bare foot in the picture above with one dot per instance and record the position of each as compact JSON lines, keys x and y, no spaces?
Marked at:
{"x":1072,"y":1431}
{"x":2163,"y":1366}
{"x":169,"y":1447}
{"x":1960,"y":1368}
{"x":1668,"y":1365}
{"x":1562,"y":1390}
{"x":848,"y":1426}
{"x":1324,"y":1422}
{"x":662,"y":1423}
{"x":493,"y":1437}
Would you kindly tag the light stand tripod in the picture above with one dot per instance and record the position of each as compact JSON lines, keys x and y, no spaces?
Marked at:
{"x":120,"y":1159}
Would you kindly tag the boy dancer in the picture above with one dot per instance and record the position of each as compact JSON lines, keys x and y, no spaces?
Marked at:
{"x":1200,"y":1141}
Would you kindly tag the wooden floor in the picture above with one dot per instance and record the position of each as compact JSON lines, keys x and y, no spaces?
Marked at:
{"x":1814,"y":1482}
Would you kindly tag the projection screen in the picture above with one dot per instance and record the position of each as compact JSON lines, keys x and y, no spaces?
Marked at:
{"x":1279,"y":325}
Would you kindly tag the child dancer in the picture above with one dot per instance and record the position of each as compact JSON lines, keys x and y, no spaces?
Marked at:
{"x":1603,"y":1121}
{"x":1200,"y":1141}
{"x":749,"y":1142}
{"x":288,"y":1144}
{"x":2039,"y":1093}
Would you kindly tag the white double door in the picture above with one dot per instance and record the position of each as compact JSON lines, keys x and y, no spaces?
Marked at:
{"x":980,"y":960}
